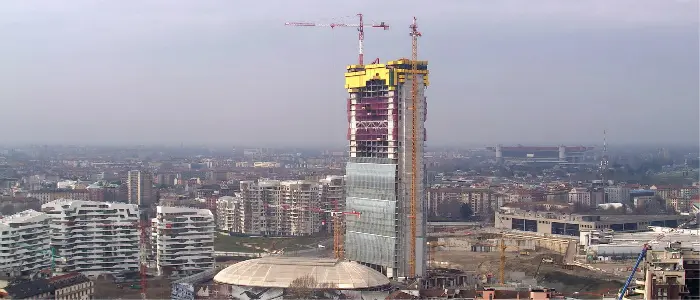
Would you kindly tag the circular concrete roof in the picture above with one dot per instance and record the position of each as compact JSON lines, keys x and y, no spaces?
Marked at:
{"x":279,"y":272}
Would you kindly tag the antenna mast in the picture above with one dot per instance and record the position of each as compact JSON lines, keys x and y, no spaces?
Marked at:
{"x":604,"y":159}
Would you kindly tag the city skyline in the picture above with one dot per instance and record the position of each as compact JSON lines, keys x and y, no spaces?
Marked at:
{"x":174,"y":72}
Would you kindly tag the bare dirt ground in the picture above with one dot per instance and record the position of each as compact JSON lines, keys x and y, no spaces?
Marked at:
{"x":551,"y":275}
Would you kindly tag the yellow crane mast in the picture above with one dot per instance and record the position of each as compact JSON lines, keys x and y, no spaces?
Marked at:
{"x":414,"y":145}
{"x":502,"y":269}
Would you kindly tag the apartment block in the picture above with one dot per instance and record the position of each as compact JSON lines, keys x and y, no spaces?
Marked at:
{"x":94,"y":237}
{"x":50,"y":195}
{"x":617,"y":194}
{"x":445,"y":201}
{"x":671,"y":272}
{"x":586,"y":197}
{"x":24,"y":244}
{"x":281,"y":208}
{"x":72,"y":286}
{"x":332,"y":198}
{"x":184,"y":240}
{"x":140,"y":188}
{"x":230,"y":214}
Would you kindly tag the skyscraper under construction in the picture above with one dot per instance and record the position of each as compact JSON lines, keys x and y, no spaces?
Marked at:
{"x":383,"y":135}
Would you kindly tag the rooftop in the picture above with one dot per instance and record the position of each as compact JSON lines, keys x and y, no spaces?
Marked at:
{"x":279,"y":272}
{"x":21,"y":217}
{"x":29,"y":289}
{"x":66,"y":280}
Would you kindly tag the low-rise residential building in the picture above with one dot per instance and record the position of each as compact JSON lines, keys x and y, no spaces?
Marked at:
{"x":94,"y":238}
{"x":184,"y":240}
{"x":24,"y":244}
{"x":51,"y":195}
{"x":72,"y":286}
{"x":682,"y":204}
{"x":35,"y":289}
{"x":64,"y":287}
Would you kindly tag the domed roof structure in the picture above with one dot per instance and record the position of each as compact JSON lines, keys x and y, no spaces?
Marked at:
{"x":279,"y":272}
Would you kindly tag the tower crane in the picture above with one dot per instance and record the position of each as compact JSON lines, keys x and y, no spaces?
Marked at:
{"x":360,"y":31}
{"x":339,"y":218}
{"x":415,"y":34}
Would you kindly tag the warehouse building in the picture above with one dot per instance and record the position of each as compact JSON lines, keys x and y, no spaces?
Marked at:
{"x":573,"y":224}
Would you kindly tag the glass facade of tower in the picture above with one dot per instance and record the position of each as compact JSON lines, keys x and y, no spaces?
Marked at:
{"x":371,"y":189}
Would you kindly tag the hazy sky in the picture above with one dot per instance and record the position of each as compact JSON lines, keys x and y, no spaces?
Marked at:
{"x":230,"y":72}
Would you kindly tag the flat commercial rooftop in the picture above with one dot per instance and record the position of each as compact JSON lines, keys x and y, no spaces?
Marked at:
{"x":639,"y":218}
{"x":687,"y":238}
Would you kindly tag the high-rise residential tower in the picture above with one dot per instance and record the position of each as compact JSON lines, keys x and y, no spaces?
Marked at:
{"x":184,"y":240}
{"x":140,"y":188}
{"x":379,"y":171}
{"x":24,"y":244}
{"x":93,"y":237}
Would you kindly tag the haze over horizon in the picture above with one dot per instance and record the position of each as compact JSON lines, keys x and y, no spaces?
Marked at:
{"x":218,"y":72}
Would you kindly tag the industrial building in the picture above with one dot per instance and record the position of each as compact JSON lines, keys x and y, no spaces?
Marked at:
{"x":602,"y":245}
{"x":183,"y":239}
{"x":573,"y":224}
{"x":280,"y":208}
{"x":275,"y":277}
{"x":24,"y":244}
{"x":93,"y":238}
{"x":541,"y":154}
{"x":386,"y":169}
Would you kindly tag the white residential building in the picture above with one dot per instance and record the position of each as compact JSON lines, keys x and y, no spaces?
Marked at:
{"x":184,"y":240}
{"x":281,"y":208}
{"x":580,"y":196}
{"x":24,"y":244}
{"x":617,"y":194}
{"x":94,"y":237}
{"x":230,"y":214}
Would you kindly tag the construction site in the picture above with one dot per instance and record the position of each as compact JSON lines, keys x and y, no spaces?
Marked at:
{"x":383,"y":246}
{"x":388,"y":235}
